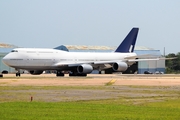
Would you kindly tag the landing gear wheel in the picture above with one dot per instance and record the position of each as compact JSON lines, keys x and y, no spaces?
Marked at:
{"x":1,"y":75}
{"x":18,"y":74}
{"x":83,"y":75}
{"x":59,"y":73}
{"x":77,"y":74}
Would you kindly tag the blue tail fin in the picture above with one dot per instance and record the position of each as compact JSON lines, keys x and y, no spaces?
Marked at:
{"x":129,"y":42}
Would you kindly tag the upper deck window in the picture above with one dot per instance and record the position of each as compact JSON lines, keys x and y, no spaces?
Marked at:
{"x":14,"y":51}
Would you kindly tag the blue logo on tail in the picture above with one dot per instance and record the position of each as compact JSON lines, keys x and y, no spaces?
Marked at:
{"x":129,"y":42}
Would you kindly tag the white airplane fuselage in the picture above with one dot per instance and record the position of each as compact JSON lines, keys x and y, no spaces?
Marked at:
{"x":36,"y":60}
{"x":52,"y":59}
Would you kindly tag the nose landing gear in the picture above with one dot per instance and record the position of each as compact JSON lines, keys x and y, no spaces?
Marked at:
{"x":18,"y":73}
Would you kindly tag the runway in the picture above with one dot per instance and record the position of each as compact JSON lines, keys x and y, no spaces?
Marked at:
{"x":91,"y":79}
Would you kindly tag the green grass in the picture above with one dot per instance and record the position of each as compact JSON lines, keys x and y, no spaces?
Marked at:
{"x":90,"y":110}
{"x":164,"y":104}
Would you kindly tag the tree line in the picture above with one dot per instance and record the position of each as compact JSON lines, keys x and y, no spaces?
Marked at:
{"x":173,"y":65}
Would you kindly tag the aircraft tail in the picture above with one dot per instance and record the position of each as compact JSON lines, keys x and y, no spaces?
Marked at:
{"x":129,"y":42}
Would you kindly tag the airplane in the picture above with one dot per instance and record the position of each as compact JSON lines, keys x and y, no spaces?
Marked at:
{"x":37,"y":60}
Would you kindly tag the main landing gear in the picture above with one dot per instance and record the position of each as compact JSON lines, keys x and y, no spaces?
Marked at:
{"x":59,"y":74}
{"x":77,"y":74}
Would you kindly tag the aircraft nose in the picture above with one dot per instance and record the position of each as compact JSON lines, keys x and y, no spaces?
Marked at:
{"x":5,"y":59}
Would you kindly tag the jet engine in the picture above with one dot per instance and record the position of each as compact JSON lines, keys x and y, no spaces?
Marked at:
{"x":121,"y":66}
{"x":84,"y":68}
{"x":35,"y":72}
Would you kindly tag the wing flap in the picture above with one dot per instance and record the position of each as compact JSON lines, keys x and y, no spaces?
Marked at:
{"x":142,"y":56}
{"x":150,"y":59}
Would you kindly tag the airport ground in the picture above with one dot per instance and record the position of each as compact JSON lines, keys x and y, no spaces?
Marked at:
{"x":49,"y":88}
{"x":114,"y":96}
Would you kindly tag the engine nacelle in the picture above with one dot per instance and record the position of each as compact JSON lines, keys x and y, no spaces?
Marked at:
{"x":85,"y":68}
{"x":121,"y":66}
{"x":35,"y":72}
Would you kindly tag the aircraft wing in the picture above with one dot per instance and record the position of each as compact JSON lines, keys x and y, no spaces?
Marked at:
{"x":71,"y":64}
{"x":127,"y":60}
{"x":150,"y":59}
{"x":142,"y":56}
{"x":136,"y":60}
{"x":96,"y":64}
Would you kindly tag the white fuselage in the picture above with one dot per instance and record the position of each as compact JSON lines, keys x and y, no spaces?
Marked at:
{"x":52,"y":59}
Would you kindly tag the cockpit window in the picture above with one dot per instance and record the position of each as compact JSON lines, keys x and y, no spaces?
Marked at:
{"x":14,"y":51}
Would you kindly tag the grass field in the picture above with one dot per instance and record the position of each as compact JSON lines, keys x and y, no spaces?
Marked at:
{"x":90,"y":110}
{"x":131,"y":103}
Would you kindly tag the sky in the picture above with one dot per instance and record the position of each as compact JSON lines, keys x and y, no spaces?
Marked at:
{"x":50,"y":23}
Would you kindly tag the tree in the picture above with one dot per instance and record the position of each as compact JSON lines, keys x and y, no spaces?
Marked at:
{"x":173,"y":66}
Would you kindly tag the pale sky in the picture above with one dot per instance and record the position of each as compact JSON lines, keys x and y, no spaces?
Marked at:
{"x":50,"y":23}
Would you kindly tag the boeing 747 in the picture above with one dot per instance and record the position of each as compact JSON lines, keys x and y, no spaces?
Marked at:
{"x":37,"y":60}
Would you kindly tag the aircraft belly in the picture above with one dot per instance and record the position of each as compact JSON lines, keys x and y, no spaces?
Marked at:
{"x":41,"y":67}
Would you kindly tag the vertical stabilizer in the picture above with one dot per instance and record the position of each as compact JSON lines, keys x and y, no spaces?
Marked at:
{"x":129,"y":42}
